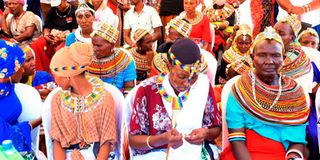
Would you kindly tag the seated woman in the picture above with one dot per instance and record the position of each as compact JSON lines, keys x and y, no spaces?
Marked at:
{"x":113,"y":65}
{"x":266,"y":112}
{"x":11,"y":60}
{"x":83,"y":122}
{"x":40,"y":80}
{"x":22,"y":25}
{"x":236,"y":60}
{"x":85,"y":17}
{"x":60,"y":21}
{"x":143,"y":53}
{"x":160,"y":126}
{"x":309,"y":38}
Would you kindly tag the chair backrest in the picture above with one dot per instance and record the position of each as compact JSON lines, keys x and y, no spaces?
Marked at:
{"x":40,"y":23}
{"x":224,"y":98}
{"x":31,"y":109}
{"x":119,"y":101}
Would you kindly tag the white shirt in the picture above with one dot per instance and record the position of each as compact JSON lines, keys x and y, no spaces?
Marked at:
{"x":105,"y":14}
{"x":147,"y":19}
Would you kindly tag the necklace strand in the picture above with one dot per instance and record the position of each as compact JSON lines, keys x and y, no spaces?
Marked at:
{"x":254,"y":91}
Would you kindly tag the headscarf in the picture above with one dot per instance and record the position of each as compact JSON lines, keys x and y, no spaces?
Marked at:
{"x":310,"y":31}
{"x":269,"y":33}
{"x":244,"y":29}
{"x":294,"y":23}
{"x":106,"y":32}
{"x":11,"y":58}
{"x":73,"y":60}
{"x":180,"y":25}
{"x":139,"y":34}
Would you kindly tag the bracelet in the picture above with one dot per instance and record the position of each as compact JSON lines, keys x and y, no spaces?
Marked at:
{"x":294,"y":151}
{"x":148,"y":144}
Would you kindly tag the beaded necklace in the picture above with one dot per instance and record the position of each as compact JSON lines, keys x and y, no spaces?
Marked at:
{"x":253,"y":85}
{"x":218,"y":15}
{"x":176,"y":101}
{"x":142,"y":61}
{"x":87,"y":103}
{"x":64,"y":16}
{"x":194,"y":20}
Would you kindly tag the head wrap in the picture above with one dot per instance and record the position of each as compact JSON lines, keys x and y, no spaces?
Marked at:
{"x":84,"y":7}
{"x":73,"y":60}
{"x":139,"y":33}
{"x":11,"y":58}
{"x":180,"y":25}
{"x":294,"y":23}
{"x":269,"y":33}
{"x":310,"y":31}
{"x":27,"y":49}
{"x":107,"y":32}
{"x":244,"y":29}
{"x":186,"y":54}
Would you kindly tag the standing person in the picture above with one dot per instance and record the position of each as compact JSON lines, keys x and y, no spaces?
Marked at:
{"x":200,"y":32}
{"x":160,"y":126}
{"x":113,"y":65}
{"x":143,"y":53}
{"x":272,"y":126}
{"x":82,"y":113}
{"x":104,"y":13}
{"x":141,"y":16}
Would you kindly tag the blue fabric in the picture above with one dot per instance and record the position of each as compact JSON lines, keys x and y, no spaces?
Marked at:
{"x":237,"y":117}
{"x":11,"y":58}
{"x":10,"y":128}
{"x":41,"y":77}
{"x":312,"y":134}
{"x":128,"y":74}
{"x":71,"y":38}
{"x":316,"y":73}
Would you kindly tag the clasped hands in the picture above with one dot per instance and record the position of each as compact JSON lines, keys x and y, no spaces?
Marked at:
{"x":175,"y":138}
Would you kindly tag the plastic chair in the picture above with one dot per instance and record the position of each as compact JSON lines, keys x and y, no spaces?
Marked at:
{"x":31,"y":109}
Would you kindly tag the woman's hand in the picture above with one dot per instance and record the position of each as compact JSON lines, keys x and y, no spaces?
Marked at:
{"x":174,"y":138}
{"x":197,"y":136}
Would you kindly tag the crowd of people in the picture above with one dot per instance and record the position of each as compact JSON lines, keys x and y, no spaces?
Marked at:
{"x":160,"y":79}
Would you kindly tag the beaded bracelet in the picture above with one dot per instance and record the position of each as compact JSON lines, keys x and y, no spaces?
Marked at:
{"x":294,"y":151}
{"x":148,"y":143}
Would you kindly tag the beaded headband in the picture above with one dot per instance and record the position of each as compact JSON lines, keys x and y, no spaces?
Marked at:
{"x":67,"y":68}
{"x":107,"y":32}
{"x":180,"y":25}
{"x":139,"y":33}
{"x":269,"y":33}
{"x":190,"y":68}
{"x":310,"y":31}
{"x":84,"y":7}
{"x":294,"y":23}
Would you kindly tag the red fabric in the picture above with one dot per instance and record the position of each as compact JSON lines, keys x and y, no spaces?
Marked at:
{"x":113,"y":7}
{"x":201,"y":30}
{"x":153,"y":72}
{"x":259,"y":147}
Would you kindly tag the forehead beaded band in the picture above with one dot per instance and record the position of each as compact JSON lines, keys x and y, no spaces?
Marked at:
{"x":67,"y":68}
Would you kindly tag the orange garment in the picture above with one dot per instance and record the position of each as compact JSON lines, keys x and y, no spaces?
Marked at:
{"x":97,"y":125}
{"x":259,"y":147}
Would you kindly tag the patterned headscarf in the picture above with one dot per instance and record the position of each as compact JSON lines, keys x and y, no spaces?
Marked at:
{"x":11,"y":58}
{"x":294,"y":23}
{"x":269,"y":33}
{"x":107,"y":32}
{"x":310,"y":31}
{"x":139,"y":33}
{"x":180,"y":25}
{"x":73,"y":60}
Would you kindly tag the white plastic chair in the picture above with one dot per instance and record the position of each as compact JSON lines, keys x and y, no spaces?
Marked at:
{"x":224,"y":98}
{"x":31,"y":109}
{"x":46,"y":116}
